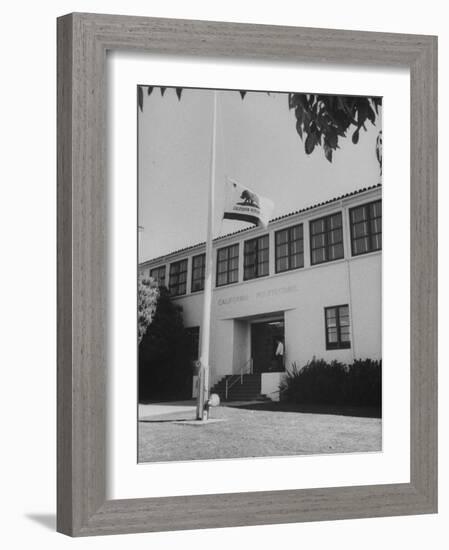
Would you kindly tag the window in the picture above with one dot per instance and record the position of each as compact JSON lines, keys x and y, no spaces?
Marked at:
{"x":178,"y":278}
{"x":193,"y":335}
{"x":158,"y":274}
{"x":228,"y":265}
{"x":337,"y":327}
{"x":289,"y":248}
{"x":366,"y":228}
{"x":326,"y":239}
{"x":198,"y":269}
{"x":255,"y":263}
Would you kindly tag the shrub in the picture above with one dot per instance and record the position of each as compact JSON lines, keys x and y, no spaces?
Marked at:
{"x":334,"y":383}
{"x":365,"y":383}
{"x":147,"y":296}
{"x":165,"y":365}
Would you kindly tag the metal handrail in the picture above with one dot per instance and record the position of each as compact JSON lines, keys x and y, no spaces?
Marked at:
{"x":232,"y":380}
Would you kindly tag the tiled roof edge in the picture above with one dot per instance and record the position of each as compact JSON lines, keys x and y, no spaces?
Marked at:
{"x":301,"y":210}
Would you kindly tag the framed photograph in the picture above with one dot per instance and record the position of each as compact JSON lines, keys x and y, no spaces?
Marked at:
{"x":238,"y":344}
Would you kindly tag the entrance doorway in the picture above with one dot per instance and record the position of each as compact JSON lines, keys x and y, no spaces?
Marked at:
{"x":265,"y":338}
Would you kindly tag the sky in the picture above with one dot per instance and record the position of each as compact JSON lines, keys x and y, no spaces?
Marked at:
{"x":257,"y":145}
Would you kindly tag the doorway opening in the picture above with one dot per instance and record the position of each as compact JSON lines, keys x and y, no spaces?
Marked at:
{"x":268,"y":345}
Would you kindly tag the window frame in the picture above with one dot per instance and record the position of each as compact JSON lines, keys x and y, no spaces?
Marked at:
{"x":177,"y":262}
{"x":326,"y":232}
{"x":289,"y":244}
{"x":257,"y":252}
{"x":339,"y":344}
{"x":228,"y":259}
{"x":202,"y":269}
{"x":164,"y":267}
{"x":370,"y":234}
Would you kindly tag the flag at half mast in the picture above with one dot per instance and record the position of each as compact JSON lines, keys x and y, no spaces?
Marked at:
{"x":245,"y":205}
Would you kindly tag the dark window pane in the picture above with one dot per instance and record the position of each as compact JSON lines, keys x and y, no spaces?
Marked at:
{"x":318,"y":256}
{"x":282,"y":264}
{"x":198,"y":272}
{"x":296,"y":261}
{"x":335,"y":236}
{"x":360,"y":229}
{"x":282,"y":237}
{"x":296,"y":232}
{"x":289,"y":248}
{"x":334,"y":221}
{"x":377,"y":241}
{"x":318,"y":241}
{"x":317,"y":226}
{"x":336,"y":251}
{"x":338,"y":334}
{"x":227,"y":265}
{"x":233,"y":263}
{"x":327,"y":244}
{"x":358,"y":214}
{"x":178,"y":277}
{"x":364,"y":236}
{"x":158,"y":274}
{"x":255,"y":259}
{"x":282,"y":250}
{"x":377,"y":209}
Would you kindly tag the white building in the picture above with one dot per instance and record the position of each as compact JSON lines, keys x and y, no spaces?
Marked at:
{"x":311,"y":279}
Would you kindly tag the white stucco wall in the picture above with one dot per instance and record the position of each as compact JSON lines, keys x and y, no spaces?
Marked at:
{"x":270,"y":383}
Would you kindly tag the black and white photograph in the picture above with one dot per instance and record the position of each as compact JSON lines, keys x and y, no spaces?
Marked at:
{"x":207,"y":341}
{"x":259,"y":273}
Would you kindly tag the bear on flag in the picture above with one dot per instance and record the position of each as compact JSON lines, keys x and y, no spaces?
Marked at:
{"x":246,"y":205}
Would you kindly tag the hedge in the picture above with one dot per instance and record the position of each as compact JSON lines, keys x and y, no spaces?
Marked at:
{"x":334,"y":383}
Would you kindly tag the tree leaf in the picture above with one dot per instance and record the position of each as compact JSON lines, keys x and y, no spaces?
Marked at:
{"x":178,"y":93}
{"x":163,"y":91}
{"x":332,"y":137}
{"x":310,"y":143}
{"x":140,"y":97}
{"x":302,"y":100}
{"x":291,"y":102}
{"x":149,"y":90}
{"x":370,"y":115}
{"x":242,"y":93}
{"x":328,"y":152}
{"x":355,"y":137}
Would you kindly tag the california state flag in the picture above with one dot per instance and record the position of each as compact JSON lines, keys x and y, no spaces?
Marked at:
{"x":245,"y":205}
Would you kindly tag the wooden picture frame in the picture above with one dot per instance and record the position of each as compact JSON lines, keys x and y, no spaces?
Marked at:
{"x":83,"y":40}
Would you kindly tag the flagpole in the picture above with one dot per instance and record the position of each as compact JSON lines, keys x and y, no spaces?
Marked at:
{"x":204,"y":373}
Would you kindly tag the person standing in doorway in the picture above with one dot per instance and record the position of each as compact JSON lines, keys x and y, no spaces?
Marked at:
{"x":279,"y":354}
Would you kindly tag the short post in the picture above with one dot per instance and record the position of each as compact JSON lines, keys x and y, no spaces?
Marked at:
{"x":200,"y":397}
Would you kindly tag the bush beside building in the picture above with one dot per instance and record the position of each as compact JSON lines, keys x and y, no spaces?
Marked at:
{"x":334,"y":383}
{"x":165,"y":355}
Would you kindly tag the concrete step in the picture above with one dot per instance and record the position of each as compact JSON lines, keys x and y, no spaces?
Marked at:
{"x":246,"y":389}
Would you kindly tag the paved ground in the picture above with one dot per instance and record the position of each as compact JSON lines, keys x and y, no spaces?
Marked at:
{"x":151,"y":410}
{"x":250,"y":432}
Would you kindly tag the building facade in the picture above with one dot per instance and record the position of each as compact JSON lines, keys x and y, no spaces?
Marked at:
{"x":307,"y":286}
